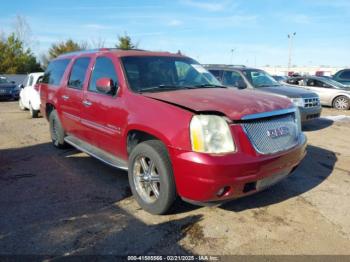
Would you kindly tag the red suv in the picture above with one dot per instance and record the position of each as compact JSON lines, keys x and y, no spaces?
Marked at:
{"x":171,"y":124}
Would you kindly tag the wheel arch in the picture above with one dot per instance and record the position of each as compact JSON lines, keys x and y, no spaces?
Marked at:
{"x":136,"y":135}
{"x":48,"y":109}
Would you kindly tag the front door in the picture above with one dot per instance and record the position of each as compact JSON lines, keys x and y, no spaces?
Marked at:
{"x":103,"y":114}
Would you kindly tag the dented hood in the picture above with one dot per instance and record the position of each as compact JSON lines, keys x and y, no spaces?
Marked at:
{"x":233,"y":103}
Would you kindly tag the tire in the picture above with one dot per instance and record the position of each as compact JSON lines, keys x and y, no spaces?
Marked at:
{"x":33,"y":113}
{"x":341,"y":103}
{"x":20,"y":104}
{"x":56,"y":131}
{"x":154,"y":152}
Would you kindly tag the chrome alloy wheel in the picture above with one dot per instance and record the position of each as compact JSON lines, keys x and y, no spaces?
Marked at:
{"x":146,"y":179}
{"x":342,"y":103}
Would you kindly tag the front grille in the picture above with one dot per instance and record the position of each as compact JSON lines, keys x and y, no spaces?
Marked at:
{"x":273,"y":134}
{"x":312,"y":102}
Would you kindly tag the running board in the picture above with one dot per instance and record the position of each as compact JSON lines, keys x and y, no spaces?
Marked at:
{"x":96,"y":152}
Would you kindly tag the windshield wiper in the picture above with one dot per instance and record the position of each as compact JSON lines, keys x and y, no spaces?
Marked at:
{"x":266,"y":85}
{"x":208,"y":86}
{"x":161,"y":88}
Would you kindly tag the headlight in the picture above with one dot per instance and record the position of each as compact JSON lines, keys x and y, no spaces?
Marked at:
{"x":211,"y":134}
{"x":298,"y":119}
{"x":298,"y":102}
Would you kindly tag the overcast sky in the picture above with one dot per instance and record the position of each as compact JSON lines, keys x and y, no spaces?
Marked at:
{"x":205,"y":30}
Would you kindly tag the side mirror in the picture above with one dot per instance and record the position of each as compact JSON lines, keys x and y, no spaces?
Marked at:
{"x":106,"y":85}
{"x":21,"y":86}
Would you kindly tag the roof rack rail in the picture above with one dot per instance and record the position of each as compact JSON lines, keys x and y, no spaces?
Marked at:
{"x":89,"y":51}
{"x":223,"y":65}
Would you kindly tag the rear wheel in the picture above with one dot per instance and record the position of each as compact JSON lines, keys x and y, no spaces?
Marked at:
{"x":56,"y":131}
{"x":151,"y":177}
{"x":341,"y":103}
{"x":33,"y":113}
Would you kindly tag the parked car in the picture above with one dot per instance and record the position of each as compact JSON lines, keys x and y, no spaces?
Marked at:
{"x":332,"y":93}
{"x":343,"y":77}
{"x":8,"y":89}
{"x":280,"y":79}
{"x":242,"y":77}
{"x":29,"y":97}
{"x":171,"y":124}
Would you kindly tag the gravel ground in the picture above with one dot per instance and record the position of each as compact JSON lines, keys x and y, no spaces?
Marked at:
{"x":65,"y":202}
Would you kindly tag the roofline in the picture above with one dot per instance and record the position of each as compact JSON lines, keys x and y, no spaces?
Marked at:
{"x":120,"y":52}
{"x":90,"y":51}
{"x":223,"y":65}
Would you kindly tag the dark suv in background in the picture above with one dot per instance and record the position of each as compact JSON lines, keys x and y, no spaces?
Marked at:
{"x":242,"y":77}
{"x":343,"y":76}
{"x":8,"y":89}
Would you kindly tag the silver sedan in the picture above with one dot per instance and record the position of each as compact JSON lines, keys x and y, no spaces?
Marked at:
{"x":331,"y":93}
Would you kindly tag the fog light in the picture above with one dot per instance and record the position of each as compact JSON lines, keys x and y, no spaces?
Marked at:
{"x":223,"y":191}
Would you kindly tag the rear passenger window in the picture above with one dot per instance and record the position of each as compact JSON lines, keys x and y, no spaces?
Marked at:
{"x":77,"y":76}
{"x":104,"y":68}
{"x":55,"y":71}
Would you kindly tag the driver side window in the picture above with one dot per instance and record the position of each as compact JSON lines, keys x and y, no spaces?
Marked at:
{"x":104,"y":68}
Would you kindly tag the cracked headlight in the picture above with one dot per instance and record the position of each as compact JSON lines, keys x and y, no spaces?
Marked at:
{"x":211,"y":134}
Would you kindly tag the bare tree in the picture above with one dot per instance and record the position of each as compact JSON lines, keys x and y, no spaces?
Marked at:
{"x":22,"y":30}
{"x":97,"y":42}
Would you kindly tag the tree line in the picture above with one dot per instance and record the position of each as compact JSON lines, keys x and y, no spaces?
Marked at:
{"x":16,"y":57}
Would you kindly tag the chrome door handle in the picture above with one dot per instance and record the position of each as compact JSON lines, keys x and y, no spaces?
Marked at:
{"x":87,"y":103}
{"x":65,"y":98}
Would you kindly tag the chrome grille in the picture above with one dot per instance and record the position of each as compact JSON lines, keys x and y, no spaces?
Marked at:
{"x":274,"y":134}
{"x":311,"y":102}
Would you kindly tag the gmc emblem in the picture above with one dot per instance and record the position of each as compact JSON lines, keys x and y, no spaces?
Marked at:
{"x":278,"y":132}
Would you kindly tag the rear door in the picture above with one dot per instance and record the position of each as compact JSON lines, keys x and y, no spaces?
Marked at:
{"x":71,"y":96}
{"x":103,"y":115}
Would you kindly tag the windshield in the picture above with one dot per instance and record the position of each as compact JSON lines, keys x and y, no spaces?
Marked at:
{"x":148,"y":73}
{"x":259,"y":78}
{"x":3,"y":80}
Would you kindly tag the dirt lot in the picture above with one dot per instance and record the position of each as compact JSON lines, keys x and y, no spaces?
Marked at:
{"x":65,"y":202}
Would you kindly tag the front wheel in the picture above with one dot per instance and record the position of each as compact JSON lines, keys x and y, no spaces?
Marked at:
{"x":341,"y":103}
{"x":151,"y":177}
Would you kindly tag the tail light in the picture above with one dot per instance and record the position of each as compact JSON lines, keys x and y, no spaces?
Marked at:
{"x":37,"y":87}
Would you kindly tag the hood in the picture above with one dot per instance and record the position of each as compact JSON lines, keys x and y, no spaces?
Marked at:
{"x":289,"y":91}
{"x":233,"y":103}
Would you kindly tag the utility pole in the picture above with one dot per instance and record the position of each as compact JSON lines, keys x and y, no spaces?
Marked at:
{"x":291,"y":38}
{"x":232,"y":50}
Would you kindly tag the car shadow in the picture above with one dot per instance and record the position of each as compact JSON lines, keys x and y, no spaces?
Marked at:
{"x":313,"y":170}
{"x":317,"y":124}
{"x":63,"y":202}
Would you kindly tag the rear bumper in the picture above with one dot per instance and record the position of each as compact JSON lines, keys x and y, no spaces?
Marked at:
{"x":308,"y":114}
{"x":199,"y":177}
